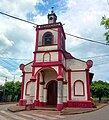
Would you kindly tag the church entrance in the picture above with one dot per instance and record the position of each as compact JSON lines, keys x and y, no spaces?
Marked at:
{"x":52,"y":93}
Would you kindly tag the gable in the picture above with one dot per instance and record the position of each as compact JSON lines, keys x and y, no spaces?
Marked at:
{"x":28,"y":67}
{"x":75,"y":64}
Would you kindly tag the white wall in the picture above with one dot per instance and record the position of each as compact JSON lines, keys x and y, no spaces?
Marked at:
{"x":52,"y":55}
{"x":28,"y":67}
{"x":75,"y":64}
{"x":63,"y":60}
{"x":78,"y":76}
{"x":27,"y":78}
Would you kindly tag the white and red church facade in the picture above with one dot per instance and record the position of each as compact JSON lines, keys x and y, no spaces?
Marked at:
{"x":55,"y":77}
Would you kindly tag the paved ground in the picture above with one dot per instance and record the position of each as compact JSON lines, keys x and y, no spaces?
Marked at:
{"x":4,"y":107}
{"x":101,"y":114}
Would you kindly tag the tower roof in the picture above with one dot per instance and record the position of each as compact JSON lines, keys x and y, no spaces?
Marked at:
{"x":52,"y":17}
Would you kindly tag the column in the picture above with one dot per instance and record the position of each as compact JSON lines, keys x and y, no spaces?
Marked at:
{"x":60,"y":93}
{"x":45,"y":96}
{"x":22,"y":101}
{"x":41,"y":90}
{"x":65,"y":93}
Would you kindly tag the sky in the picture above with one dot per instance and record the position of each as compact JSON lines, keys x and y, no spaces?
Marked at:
{"x":80,"y":17}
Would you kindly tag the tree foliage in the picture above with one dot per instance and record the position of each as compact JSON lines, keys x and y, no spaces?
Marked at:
{"x":12,"y":91}
{"x":100,"y":89}
{"x":105,"y":22}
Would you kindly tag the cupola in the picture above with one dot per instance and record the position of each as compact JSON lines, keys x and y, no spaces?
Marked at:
{"x":52,"y":17}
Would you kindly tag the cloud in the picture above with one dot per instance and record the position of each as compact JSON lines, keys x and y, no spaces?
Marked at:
{"x":19,"y":8}
{"x":4,"y":73}
{"x":81,"y":18}
{"x":17,"y":39}
{"x":4,"y":41}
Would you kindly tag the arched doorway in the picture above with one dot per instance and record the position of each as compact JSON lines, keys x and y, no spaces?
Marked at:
{"x":52,"y":93}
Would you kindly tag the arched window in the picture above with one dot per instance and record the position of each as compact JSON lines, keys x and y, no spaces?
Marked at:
{"x":47,"y":38}
{"x":47,"y":57}
{"x":79,"y":88}
{"x":28,"y":87}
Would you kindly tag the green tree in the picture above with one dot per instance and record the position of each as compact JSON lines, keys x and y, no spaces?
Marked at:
{"x":9,"y":91}
{"x":12,"y":91}
{"x":99,"y":89}
{"x":1,"y":92}
{"x":17,"y":91}
{"x":105,"y":22}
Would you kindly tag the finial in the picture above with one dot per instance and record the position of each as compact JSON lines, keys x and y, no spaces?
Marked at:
{"x":52,"y":9}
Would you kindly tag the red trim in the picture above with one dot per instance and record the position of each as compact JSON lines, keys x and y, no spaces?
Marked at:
{"x":26,"y":87}
{"x":60,"y":70}
{"x":47,"y":45}
{"x":42,"y":64}
{"x":22,"y":67}
{"x":89,"y":64}
{"x":65,"y":82}
{"x":36,"y":102}
{"x":59,"y":38}
{"x":60,"y":56}
{"x":88,"y":84}
{"x":23,"y":80}
{"x":80,"y":104}
{"x":44,"y":36}
{"x":44,"y":103}
{"x":22,"y":102}
{"x":41,"y":103}
{"x":82,"y":87}
{"x":47,"y":50}
{"x":78,"y":70}
{"x":37,"y":92}
{"x":69,"y":84}
{"x":59,"y":107}
{"x":49,"y":56}
{"x":50,"y":26}
{"x":37,"y":38}
{"x":47,"y":26}
{"x":65,"y":104}
{"x":41,"y":83}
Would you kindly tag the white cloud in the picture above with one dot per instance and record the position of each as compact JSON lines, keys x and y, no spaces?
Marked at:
{"x":81,"y":18}
{"x":4,"y":41}
{"x":5,"y":72}
{"x":19,"y":8}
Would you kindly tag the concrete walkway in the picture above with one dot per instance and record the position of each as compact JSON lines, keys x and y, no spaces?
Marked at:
{"x":66,"y":111}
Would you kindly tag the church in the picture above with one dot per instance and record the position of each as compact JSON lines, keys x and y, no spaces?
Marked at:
{"x":55,"y":78}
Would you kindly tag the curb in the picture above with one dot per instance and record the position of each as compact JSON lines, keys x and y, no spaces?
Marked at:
{"x":81,"y":112}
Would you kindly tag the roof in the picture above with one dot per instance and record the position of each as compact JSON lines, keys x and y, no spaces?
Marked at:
{"x":68,"y":55}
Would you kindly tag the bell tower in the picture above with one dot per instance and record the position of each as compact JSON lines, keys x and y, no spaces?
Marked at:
{"x":52,"y":17}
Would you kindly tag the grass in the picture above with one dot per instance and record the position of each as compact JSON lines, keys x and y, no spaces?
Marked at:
{"x":96,"y":100}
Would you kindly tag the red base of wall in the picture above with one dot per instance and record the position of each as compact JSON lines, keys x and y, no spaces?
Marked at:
{"x":80,"y":104}
{"x":59,"y":107}
{"x":65,"y":104}
{"x":22,"y":102}
{"x":29,"y":107}
{"x":44,"y":103}
{"x":41,"y":104}
{"x":36,"y":102}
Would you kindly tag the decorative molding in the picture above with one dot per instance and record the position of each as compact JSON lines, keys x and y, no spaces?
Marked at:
{"x":83,"y":90}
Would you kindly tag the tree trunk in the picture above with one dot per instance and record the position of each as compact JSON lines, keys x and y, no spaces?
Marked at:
{"x":99,"y":99}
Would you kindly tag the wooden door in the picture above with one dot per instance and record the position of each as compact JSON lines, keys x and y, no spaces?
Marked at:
{"x":52,"y":93}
